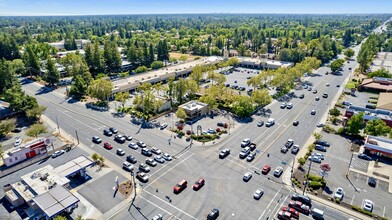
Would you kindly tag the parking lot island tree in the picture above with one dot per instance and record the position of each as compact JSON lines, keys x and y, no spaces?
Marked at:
{"x":100,"y":89}
{"x":122,"y":97}
{"x":36,"y":129}
{"x":7,"y":126}
{"x":377,"y":127}
{"x":355,"y":124}
{"x":35,"y":113}
{"x":349,"y":53}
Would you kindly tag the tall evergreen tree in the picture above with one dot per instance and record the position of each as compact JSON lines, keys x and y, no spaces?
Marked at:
{"x":52,"y":75}
{"x":151,"y":54}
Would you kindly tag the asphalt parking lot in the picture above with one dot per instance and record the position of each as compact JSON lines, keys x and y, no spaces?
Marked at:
{"x":360,"y":99}
{"x":356,"y":188}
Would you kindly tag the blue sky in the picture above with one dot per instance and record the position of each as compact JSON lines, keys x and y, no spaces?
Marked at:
{"x":89,"y":7}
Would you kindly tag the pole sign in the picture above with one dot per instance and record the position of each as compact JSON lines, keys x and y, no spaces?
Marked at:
{"x":325,"y":167}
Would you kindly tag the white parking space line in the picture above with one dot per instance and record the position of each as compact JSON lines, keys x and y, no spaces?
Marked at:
{"x":352,"y":200}
{"x":166,"y":171}
{"x":272,"y":200}
{"x":159,"y":207}
{"x":383,"y":213}
{"x":169,"y":204}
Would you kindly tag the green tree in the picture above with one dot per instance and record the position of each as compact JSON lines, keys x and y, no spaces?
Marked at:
{"x":78,"y":87}
{"x":60,"y":217}
{"x":157,"y":64}
{"x":261,"y":97}
{"x":1,"y":152}
{"x":349,"y":53}
{"x":377,"y":127}
{"x":334,"y":112}
{"x":6,"y":126}
{"x":197,"y":73}
{"x":112,"y":56}
{"x":243,"y":106}
{"x":355,"y":124}
{"x":36,"y":129}
{"x":181,"y":113}
{"x":336,"y":65}
{"x":122,"y":97}
{"x":380,"y":73}
{"x":141,"y":69}
{"x":31,"y":61}
{"x":52,"y":75}
{"x":35,"y":113}
{"x":101,"y":160}
{"x":183,"y":58}
{"x":100,"y":89}
{"x":317,"y":136}
{"x":18,"y":66}
{"x":95,"y":157}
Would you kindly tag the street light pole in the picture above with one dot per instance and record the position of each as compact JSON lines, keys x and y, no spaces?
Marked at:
{"x":58,"y":127}
{"x":306,"y":182}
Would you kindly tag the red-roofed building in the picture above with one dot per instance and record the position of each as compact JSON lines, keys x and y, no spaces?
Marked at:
{"x":376,"y":84}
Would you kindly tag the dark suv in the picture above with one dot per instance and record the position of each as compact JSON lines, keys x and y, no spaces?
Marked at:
{"x":304,"y":199}
{"x":213,"y":214}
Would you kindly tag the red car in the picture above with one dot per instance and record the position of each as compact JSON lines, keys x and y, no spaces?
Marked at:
{"x":198,"y":184}
{"x":180,"y":186}
{"x":265,"y":169}
{"x":294,"y":213}
{"x":297,"y":205}
{"x":284,"y":215}
{"x":107,"y":146}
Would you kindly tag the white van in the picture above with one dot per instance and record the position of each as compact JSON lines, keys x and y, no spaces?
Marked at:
{"x":317,"y":213}
{"x":270,"y":122}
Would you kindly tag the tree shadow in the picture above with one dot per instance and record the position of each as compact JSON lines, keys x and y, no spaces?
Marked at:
{"x":44,"y":90}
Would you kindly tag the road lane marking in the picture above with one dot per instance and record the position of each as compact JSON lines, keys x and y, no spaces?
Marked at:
{"x":173,"y":206}
{"x":383,"y":214}
{"x":270,"y":203}
{"x":279,"y":206}
{"x":144,"y":189}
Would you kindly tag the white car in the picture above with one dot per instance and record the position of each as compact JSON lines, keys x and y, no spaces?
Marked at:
{"x":321,"y":156}
{"x":368,"y":205}
{"x":18,"y":142}
{"x":247,"y":176}
{"x":57,"y":153}
{"x":278,"y":171}
{"x":133,"y":146}
{"x":163,"y":126}
{"x":167,"y":157}
{"x":159,"y":159}
{"x":156,"y":150}
{"x":127,"y":166}
{"x":339,"y":194}
{"x":245,"y":142}
{"x":258,"y":193}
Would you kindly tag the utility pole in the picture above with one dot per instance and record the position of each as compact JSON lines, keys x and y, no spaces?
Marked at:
{"x":58,"y":127}
{"x":349,"y":165}
{"x":77,"y":136}
{"x":306,"y":183}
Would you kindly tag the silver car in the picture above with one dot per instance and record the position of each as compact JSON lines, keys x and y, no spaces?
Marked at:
{"x":258,"y":194}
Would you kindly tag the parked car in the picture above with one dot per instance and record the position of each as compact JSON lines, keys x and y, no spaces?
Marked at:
{"x":301,"y":96}
{"x":127,"y":166}
{"x":144,"y":168}
{"x":252,"y":146}
{"x":320,"y":148}
{"x":315,"y":91}
{"x":163,"y":126}
{"x":198,"y":184}
{"x":289,"y":106}
{"x":131,"y":159}
{"x":321,"y":156}
{"x":133,"y":146}
{"x":315,"y":159}
{"x":156,"y":150}
{"x":289,"y":143}
{"x":213,"y":214}
{"x":245,"y":142}
{"x":113,"y":130}
{"x":368,"y":205}
{"x":224,"y":153}
{"x":265,"y":169}
{"x":339,"y":193}
{"x":143,"y":177}
{"x":96,"y":139}
{"x":323,"y":143}
{"x":260,"y":123}
{"x":151,"y":162}
{"x":128,"y":137}
{"x":258,"y":194}
{"x":146,"y":152}
{"x":159,"y":158}
{"x":180,"y":186}
{"x":141,"y":144}
{"x":167,"y":156}
{"x":283,"y":105}
{"x":317,"y":98}
{"x":297,"y":205}
{"x":325,"y":95}
{"x":108,"y":146}
{"x":251,"y":156}
{"x":244,"y":152}
{"x":58,"y":153}
{"x":284,"y":149}
{"x":364,"y":157}
{"x":295,"y":123}
{"x":107,"y":132}
{"x":284,"y":215}
{"x":372,"y":182}
{"x":247,"y":176}
{"x":295,"y":149}
{"x":270,"y":122}
{"x":313,"y":112}
{"x":120,"y":152}
{"x":278,"y":171}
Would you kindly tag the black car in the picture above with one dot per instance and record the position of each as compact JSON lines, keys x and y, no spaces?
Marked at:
{"x":323,"y":143}
{"x":289,"y":143}
{"x":372,"y":182}
{"x":302,"y":96}
{"x":295,"y":123}
{"x":113,"y":130}
{"x":224,"y":153}
{"x":304,"y":199}
{"x":213,"y":214}
{"x":364,"y":157}
{"x":320,"y":148}
{"x":131,"y":159}
{"x":295,"y":149}
{"x":107,"y":132}
{"x":96,"y":139}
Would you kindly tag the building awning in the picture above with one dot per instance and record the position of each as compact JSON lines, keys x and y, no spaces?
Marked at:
{"x":374,"y":147}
